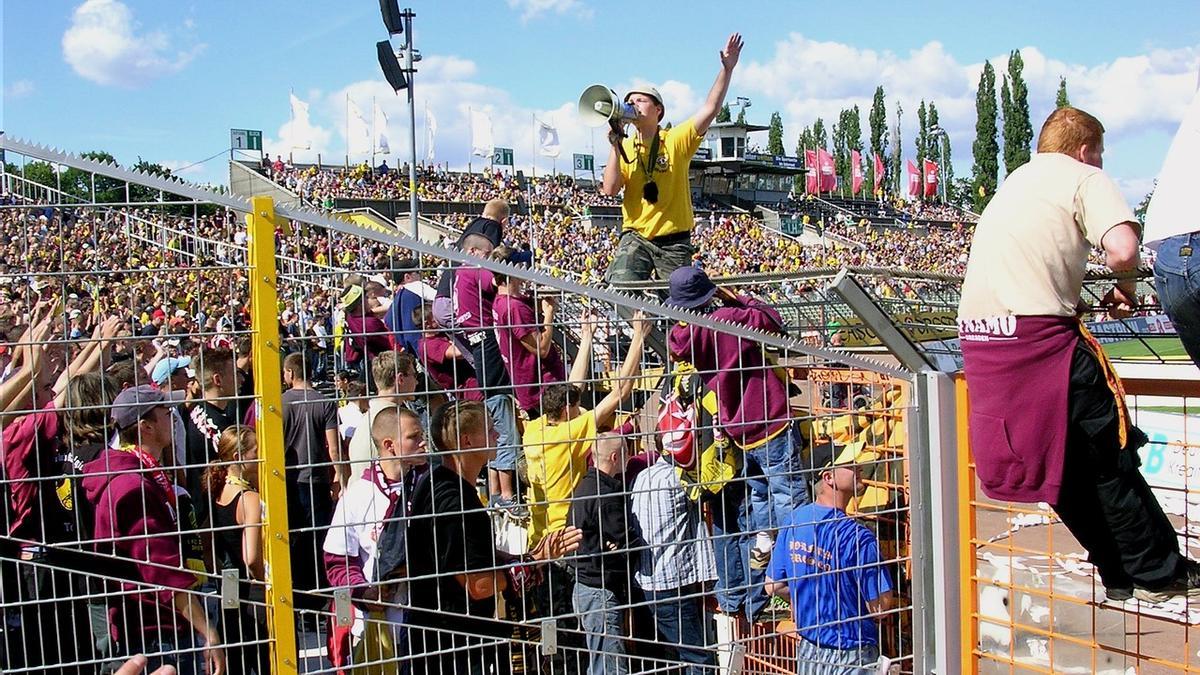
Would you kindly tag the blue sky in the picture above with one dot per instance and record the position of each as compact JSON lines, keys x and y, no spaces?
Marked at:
{"x":166,"y":81}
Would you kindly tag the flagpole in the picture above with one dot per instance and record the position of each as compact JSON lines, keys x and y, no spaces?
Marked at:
{"x":412,"y":125}
{"x":533,"y":118}
{"x":374,"y":132}
{"x":347,"y":130}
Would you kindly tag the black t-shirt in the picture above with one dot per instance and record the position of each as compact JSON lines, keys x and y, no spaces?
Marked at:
{"x":307,"y":415}
{"x":447,"y":513}
{"x":203,"y":425}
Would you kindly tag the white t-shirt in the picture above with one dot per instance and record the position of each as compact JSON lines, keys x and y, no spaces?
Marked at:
{"x":358,"y":520}
{"x":1172,"y":209}
{"x":1032,"y":241}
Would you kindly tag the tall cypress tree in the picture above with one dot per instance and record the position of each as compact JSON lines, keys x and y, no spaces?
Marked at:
{"x":775,"y":135}
{"x":804,"y":142}
{"x":852,"y":135}
{"x":922,"y":139}
{"x":818,"y":132}
{"x":1062,"y":100}
{"x":879,"y":133}
{"x":1018,"y":131}
{"x":841,"y":162}
{"x":986,"y":170}
{"x":898,"y":155}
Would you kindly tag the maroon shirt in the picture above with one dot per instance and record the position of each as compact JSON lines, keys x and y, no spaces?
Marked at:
{"x":474,"y":293}
{"x":452,"y":374}
{"x":134,"y":521}
{"x":28,"y":447}
{"x":368,"y":334}
{"x":752,"y":399}
{"x":514,"y":320}
{"x":1019,"y":449}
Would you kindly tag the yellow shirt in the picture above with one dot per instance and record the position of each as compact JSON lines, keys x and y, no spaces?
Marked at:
{"x":673,"y":211}
{"x":556,"y":458}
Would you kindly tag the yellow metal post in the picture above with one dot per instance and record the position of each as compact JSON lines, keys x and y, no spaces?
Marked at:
{"x":966,"y":534}
{"x":264,"y":311}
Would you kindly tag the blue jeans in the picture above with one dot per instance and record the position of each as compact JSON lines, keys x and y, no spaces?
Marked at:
{"x":1177,"y":280}
{"x":683,"y":625}
{"x":739,"y":587}
{"x":773,"y":476}
{"x":600,"y":616}
{"x":503,"y":412}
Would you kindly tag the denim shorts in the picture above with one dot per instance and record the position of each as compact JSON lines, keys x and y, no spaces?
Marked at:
{"x":503,"y":411}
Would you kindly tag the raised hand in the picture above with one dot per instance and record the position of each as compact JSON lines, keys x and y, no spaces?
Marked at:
{"x":731,"y":52}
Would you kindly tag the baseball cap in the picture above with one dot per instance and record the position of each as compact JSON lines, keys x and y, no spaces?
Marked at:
{"x":133,"y":403}
{"x":826,"y":455}
{"x":166,"y":367}
{"x":690,"y":288}
{"x":650,"y":91}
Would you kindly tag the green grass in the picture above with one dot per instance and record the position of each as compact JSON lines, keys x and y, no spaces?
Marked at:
{"x":1147,"y":349}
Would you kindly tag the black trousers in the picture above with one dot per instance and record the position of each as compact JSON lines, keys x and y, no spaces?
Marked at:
{"x":1105,"y":501}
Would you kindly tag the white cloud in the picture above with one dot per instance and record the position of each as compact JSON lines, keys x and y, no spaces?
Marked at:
{"x":1133,"y":96}
{"x":105,"y":44}
{"x":531,"y":9}
{"x":18,"y":89}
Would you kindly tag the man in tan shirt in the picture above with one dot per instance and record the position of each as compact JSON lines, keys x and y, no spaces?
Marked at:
{"x":1047,"y":414}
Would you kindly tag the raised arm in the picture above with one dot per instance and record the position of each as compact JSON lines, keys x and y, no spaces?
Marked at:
{"x":583,"y":359}
{"x":613,"y":180}
{"x":607,"y":408}
{"x":716,"y":96}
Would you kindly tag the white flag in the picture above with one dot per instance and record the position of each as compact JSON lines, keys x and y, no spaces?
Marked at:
{"x":358,"y":140}
{"x":430,"y":133}
{"x":380,"y":124}
{"x":482,"y":144}
{"x":547,"y":139}
{"x":300,"y":127}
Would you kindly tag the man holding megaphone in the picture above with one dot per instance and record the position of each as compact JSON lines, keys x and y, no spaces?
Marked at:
{"x":651,"y":164}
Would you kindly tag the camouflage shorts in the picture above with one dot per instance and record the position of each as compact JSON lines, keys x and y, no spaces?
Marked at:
{"x":639,"y":259}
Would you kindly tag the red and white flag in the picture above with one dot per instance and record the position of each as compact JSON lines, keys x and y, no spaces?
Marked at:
{"x":931,"y":178}
{"x":878,"y":171}
{"x":828,"y":177}
{"x":811,"y":173}
{"x":914,"y":180}
{"x":856,"y":172}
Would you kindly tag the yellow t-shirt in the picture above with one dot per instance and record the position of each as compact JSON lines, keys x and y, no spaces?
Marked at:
{"x":556,"y":459}
{"x":673,"y":211}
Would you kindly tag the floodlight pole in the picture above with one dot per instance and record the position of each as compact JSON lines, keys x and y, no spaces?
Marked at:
{"x":410,"y":68}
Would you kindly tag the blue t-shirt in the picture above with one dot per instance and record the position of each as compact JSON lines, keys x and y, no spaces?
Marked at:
{"x":399,"y":319}
{"x":832,"y":567}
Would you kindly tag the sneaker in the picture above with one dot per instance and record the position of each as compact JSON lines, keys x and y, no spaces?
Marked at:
{"x":759,"y":558}
{"x":514,"y":508}
{"x":1185,"y":584}
{"x":1118,"y":593}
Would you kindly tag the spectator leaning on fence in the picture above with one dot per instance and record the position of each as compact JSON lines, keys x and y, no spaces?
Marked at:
{"x":753,"y":411}
{"x":1071,"y":442}
{"x":374,"y":511}
{"x":828,"y":565}
{"x":134,"y":502}
{"x":604,"y":564}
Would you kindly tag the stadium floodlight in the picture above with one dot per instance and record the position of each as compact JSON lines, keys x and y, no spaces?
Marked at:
{"x":743,"y":102}
{"x":393,"y":19}
{"x":390,"y":65}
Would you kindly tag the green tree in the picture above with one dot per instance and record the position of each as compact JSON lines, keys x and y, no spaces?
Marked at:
{"x":820,"y":140}
{"x":1018,"y":131}
{"x":804,"y":142}
{"x":986,"y":170}
{"x":939,"y":150}
{"x":775,"y":135}
{"x":959,"y":193}
{"x":922,"y":141}
{"x":1062,"y":100}
{"x":898,"y":155}
{"x":852,"y":141}
{"x":1140,"y":211}
{"x":742,"y":115}
{"x":723,"y":115}
{"x":879,"y":133}
{"x":841,"y":159}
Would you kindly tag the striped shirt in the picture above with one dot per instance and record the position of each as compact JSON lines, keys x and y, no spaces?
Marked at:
{"x":680,"y":552}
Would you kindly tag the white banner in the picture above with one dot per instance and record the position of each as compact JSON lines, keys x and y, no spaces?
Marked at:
{"x":482,"y":144}
{"x":358,"y":134}
{"x":380,"y":125}
{"x":548,"y":145}
{"x":430,"y":133}
{"x":299,"y":121}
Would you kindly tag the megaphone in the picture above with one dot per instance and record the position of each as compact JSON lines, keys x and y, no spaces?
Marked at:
{"x":599,"y":105}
